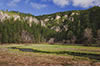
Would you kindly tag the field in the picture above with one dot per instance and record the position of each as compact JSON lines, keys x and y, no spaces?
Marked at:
{"x":48,"y":55}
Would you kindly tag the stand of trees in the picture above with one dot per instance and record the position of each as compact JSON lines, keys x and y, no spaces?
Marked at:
{"x":85,"y":29}
{"x":20,"y":32}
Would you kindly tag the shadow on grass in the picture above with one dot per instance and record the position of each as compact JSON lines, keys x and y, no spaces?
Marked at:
{"x":91,"y":56}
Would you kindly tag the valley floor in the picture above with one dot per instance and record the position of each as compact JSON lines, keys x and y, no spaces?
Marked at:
{"x":48,"y":55}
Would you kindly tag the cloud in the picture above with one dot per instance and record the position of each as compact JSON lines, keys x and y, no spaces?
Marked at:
{"x":38,"y":5}
{"x":75,"y":3}
{"x":97,"y":2}
{"x":13,"y":3}
{"x":85,"y":3}
{"x":61,"y":3}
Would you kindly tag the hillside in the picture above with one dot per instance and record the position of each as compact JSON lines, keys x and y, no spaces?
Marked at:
{"x":71,"y":27}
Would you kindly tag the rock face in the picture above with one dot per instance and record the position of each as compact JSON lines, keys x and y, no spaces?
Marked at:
{"x":16,"y":17}
{"x":58,"y":17}
{"x":4,"y":16}
{"x":29,"y":19}
{"x":35,"y":20}
{"x":72,"y":14}
{"x":66,"y":16}
{"x":46,"y":20}
{"x":32,"y":20}
{"x":56,"y":28}
{"x":51,"y":41}
{"x":65,"y":27}
{"x":71,"y":18}
{"x":42,"y":23}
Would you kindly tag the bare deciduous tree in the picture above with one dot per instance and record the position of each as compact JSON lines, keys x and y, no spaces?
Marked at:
{"x":88,"y":35}
{"x":98,"y":37}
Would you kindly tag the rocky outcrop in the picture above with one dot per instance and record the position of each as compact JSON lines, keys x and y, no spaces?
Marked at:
{"x":29,"y":19}
{"x":56,"y":28}
{"x":58,"y":17}
{"x":42,"y":23}
{"x":46,"y":20}
{"x":66,"y":16}
{"x":4,"y":16}
{"x":16,"y":17}
{"x":65,"y":27}
{"x":51,"y":41}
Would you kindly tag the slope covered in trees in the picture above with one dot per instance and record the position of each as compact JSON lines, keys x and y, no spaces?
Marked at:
{"x":65,"y":27}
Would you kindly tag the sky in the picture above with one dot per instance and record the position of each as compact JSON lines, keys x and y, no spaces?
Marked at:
{"x":41,"y":7}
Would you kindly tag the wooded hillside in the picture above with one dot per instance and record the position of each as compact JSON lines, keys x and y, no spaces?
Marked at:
{"x":77,"y":27}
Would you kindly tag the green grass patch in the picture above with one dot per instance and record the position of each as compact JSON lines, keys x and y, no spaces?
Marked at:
{"x":91,"y":52}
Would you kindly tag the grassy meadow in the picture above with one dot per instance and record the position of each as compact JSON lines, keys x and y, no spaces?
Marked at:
{"x":48,"y":55}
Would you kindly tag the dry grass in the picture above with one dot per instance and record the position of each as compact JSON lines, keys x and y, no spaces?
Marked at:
{"x":14,"y":57}
{"x":8,"y":58}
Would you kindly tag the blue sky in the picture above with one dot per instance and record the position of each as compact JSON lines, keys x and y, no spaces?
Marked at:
{"x":40,"y":7}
